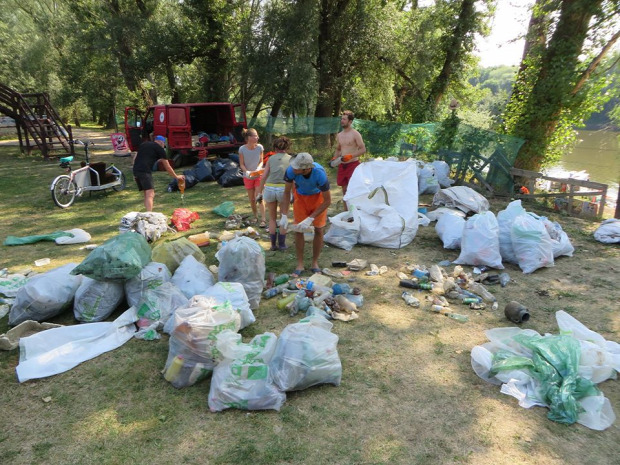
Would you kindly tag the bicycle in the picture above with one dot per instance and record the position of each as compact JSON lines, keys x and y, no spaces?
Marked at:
{"x":89,"y":177}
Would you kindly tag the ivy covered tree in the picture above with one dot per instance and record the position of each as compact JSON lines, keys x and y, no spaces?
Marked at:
{"x":560,"y":80}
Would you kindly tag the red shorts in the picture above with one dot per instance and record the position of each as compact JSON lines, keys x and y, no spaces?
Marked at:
{"x":345,"y":171}
{"x":251,"y":184}
{"x":304,"y":206}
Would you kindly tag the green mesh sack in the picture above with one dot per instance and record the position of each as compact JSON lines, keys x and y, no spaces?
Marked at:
{"x":117,"y":259}
{"x":225,"y":209}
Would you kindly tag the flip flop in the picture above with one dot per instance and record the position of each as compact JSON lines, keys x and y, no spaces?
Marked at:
{"x":296,"y":273}
{"x":262,"y":224}
{"x":316,"y":270}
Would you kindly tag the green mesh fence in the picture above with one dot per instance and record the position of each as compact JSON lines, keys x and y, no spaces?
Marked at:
{"x":475,"y":155}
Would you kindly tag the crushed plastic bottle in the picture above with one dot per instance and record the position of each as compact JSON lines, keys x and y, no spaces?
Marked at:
{"x":410,"y":300}
{"x":374,"y":270}
{"x":504,"y":279}
{"x":343,"y":288}
{"x":455,"y":316}
{"x":401,"y":275}
{"x":482,"y":291}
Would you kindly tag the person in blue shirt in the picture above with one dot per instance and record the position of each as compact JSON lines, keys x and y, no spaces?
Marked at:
{"x":308,"y":182}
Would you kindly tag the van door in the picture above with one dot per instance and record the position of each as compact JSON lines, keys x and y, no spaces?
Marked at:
{"x":133,"y":127}
{"x":177,"y":121}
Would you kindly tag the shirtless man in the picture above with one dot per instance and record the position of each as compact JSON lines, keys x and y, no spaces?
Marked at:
{"x":350,"y":147}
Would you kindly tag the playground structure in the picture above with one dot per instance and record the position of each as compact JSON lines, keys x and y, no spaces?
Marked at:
{"x":39,"y":127}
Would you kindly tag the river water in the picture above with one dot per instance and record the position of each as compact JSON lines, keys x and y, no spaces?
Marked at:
{"x":598,"y":154}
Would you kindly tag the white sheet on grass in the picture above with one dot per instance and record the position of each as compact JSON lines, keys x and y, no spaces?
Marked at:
{"x":59,"y":349}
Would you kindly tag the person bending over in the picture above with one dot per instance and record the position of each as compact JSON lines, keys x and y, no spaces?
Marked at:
{"x":308,"y":181}
{"x":148,"y":154}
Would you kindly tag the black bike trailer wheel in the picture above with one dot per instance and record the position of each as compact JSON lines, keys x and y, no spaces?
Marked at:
{"x":64,"y":191}
{"x":123,"y":183}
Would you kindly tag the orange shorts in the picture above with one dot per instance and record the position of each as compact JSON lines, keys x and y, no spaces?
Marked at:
{"x":304,"y":206}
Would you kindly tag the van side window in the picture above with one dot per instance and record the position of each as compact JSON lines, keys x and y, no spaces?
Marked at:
{"x":177,"y":117}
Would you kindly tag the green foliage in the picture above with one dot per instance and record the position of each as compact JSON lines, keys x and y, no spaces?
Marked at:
{"x":550,"y":99}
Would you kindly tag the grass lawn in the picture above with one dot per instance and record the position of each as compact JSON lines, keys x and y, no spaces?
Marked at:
{"x":408,"y":393}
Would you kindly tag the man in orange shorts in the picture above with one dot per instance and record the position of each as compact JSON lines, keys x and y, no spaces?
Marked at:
{"x":311,"y":200}
{"x":350,"y":147}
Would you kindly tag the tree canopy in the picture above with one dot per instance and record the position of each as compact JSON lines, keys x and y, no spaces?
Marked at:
{"x":387,"y":60}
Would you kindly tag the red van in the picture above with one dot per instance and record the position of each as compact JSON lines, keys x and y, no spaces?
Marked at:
{"x":192,"y":130}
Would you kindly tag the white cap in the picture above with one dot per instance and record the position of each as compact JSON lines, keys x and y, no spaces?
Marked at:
{"x":302,"y":161}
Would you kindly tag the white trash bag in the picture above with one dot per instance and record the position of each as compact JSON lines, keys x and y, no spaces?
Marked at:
{"x":344,"y":230}
{"x":427,"y":180}
{"x":505,"y":218}
{"x":449,"y":228}
{"x":559,"y":239}
{"x":608,"y":232}
{"x":442,"y":173}
{"x":531,"y":243}
{"x":480,"y":242}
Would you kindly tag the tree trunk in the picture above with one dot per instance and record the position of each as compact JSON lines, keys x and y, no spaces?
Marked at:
{"x":329,"y":66}
{"x":552,"y":90}
{"x":454,"y":56}
{"x":172,"y":83}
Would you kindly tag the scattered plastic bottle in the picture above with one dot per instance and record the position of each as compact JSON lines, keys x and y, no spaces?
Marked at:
{"x":343,"y":288}
{"x":470,"y":300}
{"x":281,"y":279}
{"x":455,"y":316}
{"x":282,"y":303}
{"x":477,"y":306}
{"x":357,"y":299}
{"x":272,"y":292}
{"x":401,"y":275}
{"x":374,"y":270}
{"x":174,"y":369}
{"x":504,"y":278}
{"x":409,"y":283}
{"x":421,"y":273}
{"x":410,"y":300}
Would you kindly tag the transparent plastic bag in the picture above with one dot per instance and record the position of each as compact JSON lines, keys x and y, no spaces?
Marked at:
{"x":241,"y":380}
{"x":242,"y":260}
{"x":480,"y":242}
{"x":306,"y":354}
{"x":45,"y":295}
{"x":531,"y":243}
{"x":152,"y":275}
{"x":193,"y":339}
{"x":96,"y":300}
{"x":344,"y":230}
{"x":235,"y":293}
{"x":192,"y":278}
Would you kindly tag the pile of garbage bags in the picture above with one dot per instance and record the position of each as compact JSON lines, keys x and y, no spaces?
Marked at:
{"x":514,"y":236}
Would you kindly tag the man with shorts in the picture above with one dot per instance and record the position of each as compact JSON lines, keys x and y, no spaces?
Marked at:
{"x":311,"y":200}
{"x":148,"y":154}
{"x":350,"y":147}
